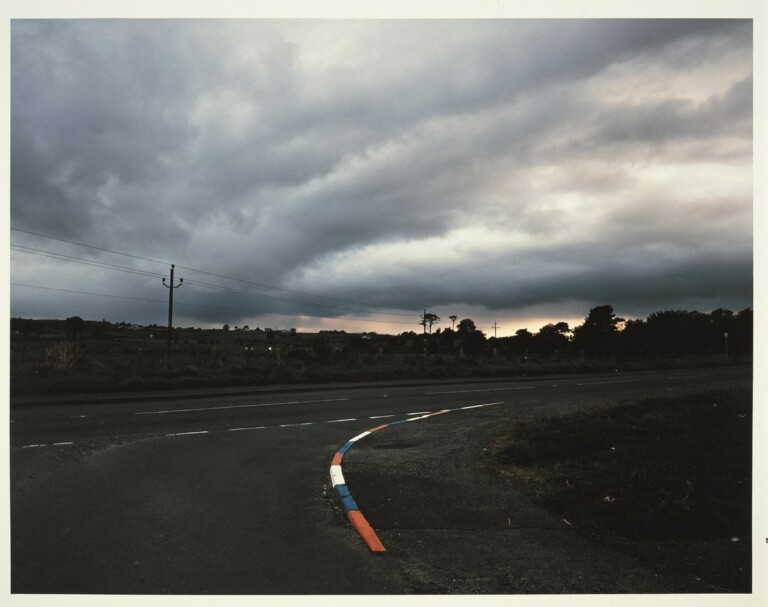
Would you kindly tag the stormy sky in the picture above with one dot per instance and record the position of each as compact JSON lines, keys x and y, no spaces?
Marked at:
{"x":348,"y":174}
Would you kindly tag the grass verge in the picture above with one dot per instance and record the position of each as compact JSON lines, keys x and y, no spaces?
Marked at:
{"x":665,"y":479}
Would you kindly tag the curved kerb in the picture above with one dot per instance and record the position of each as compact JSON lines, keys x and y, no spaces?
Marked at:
{"x":354,"y":515}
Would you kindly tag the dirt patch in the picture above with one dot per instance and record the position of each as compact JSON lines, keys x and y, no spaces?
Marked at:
{"x":667,"y":480}
{"x":456,"y":524}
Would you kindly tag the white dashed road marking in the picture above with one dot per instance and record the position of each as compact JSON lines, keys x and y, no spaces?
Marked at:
{"x":478,"y":406}
{"x":412,"y":417}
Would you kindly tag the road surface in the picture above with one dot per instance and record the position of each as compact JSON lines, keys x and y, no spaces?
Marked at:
{"x":231,"y":495}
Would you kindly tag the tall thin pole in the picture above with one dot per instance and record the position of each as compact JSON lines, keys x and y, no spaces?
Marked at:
{"x":494,"y":327}
{"x":170,"y":288}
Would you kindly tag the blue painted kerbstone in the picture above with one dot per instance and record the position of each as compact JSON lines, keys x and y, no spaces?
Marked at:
{"x":343,"y":491}
{"x":349,"y":503}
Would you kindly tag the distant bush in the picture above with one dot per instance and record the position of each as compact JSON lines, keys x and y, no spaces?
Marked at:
{"x":63,"y":356}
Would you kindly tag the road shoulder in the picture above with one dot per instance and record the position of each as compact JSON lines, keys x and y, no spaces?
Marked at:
{"x":457,"y":526}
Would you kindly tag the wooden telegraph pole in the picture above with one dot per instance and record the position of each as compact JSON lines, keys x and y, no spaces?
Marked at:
{"x":170,"y":288}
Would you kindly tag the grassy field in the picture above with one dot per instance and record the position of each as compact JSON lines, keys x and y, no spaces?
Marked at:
{"x":110,"y":358}
{"x":666,"y":479}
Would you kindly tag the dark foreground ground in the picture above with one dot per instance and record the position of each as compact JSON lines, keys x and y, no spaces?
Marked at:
{"x":653,"y":497}
{"x":550,"y":492}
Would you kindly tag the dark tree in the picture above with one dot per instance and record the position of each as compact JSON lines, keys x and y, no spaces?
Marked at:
{"x":472,"y":340}
{"x":676,"y":333}
{"x":634,"y":343}
{"x":742,"y":342}
{"x":74,"y":326}
{"x":521,"y":342}
{"x":723,"y":322}
{"x":552,"y":339}
{"x":598,"y":336}
{"x":429,"y":319}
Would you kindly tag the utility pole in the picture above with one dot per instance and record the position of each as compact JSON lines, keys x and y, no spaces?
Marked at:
{"x":170,"y":288}
{"x":494,"y":327}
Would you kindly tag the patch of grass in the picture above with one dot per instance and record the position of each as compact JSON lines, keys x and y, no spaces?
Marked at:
{"x":120,"y":359}
{"x":675,"y":469}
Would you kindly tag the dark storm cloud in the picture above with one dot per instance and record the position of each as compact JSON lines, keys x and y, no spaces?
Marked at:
{"x":726,"y":114}
{"x":88,"y":113}
{"x":363,"y":160}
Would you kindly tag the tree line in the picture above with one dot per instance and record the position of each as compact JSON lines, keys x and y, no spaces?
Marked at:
{"x":603,"y":335}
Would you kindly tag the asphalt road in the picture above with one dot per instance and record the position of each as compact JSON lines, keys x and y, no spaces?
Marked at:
{"x":231,"y":495}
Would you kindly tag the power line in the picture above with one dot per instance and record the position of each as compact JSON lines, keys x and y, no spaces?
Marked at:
{"x":262,"y":285}
{"x":212,"y":307}
{"x":70,"y":258}
{"x":274,"y":298}
{"x":80,"y":260}
{"x":20,"y":284}
{"x":80,"y":244}
{"x":257,"y":284}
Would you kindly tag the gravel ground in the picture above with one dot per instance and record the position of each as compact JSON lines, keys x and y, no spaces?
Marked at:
{"x":457,"y":526}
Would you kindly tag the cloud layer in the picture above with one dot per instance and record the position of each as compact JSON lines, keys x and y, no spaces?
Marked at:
{"x":503,"y":166}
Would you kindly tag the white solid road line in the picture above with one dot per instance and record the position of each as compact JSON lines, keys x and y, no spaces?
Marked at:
{"x":481,"y":390}
{"x":195,"y":409}
{"x":600,"y":383}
